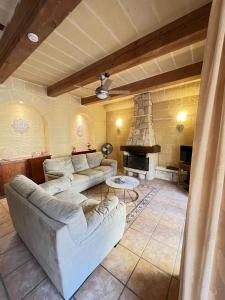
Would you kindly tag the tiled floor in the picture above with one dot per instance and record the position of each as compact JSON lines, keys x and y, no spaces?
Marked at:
{"x":145,"y":265}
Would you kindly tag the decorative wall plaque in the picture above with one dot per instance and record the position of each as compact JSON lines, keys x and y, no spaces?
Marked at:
{"x":20,"y":125}
{"x":80,"y":130}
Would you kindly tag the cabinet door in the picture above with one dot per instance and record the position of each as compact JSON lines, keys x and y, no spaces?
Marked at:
{"x":11,"y":169}
{"x":36,"y":172}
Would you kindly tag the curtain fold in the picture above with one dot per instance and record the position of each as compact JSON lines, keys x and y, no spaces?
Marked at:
{"x":203,"y":255}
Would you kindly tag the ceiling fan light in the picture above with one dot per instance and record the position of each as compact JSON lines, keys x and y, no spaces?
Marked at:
{"x":102,"y":95}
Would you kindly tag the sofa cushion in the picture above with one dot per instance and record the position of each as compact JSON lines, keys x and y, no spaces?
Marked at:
{"x":54,"y":208}
{"x":55,"y":186}
{"x":79,"y":179}
{"x":88,"y":205}
{"x":63,"y":164}
{"x":94,"y":159}
{"x":23,"y":185}
{"x":71,"y":196}
{"x":79,"y":162}
{"x":93,"y":174}
{"x":104,"y":169}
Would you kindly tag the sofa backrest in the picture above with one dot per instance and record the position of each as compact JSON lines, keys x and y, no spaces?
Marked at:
{"x":59,"y":164}
{"x":80,"y":162}
{"x":94,"y":159}
{"x":64,"y":212}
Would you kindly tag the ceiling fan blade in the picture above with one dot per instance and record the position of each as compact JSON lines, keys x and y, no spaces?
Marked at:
{"x":83,"y":87}
{"x":107,"y":83}
{"x":119,"y":92}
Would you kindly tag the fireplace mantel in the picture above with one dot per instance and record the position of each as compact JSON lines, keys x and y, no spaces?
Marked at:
{"x":142,"y":149}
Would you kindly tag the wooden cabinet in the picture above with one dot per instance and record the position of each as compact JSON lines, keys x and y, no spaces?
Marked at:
{"x":30,"y":167}
{"x":83,"y":152}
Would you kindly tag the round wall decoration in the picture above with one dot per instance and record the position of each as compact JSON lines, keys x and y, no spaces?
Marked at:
{"x":20,"y":125}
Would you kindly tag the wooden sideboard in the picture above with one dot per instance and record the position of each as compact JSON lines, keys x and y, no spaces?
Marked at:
{"x":30,"y":167}
{"x":84,"y":152}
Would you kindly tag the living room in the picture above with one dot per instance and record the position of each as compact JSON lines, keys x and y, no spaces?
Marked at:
{"x":110,"y":122}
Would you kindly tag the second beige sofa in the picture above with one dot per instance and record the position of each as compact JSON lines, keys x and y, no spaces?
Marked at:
{"x":84,"y":170}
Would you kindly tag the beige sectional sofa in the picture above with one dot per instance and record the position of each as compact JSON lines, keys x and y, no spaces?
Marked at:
{"x":84,"y":170}
{"x":68,"y":233}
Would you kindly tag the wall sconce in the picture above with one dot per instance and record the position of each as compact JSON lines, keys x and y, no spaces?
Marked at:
{"x":181,"y":117}
{"x":119,"y":123}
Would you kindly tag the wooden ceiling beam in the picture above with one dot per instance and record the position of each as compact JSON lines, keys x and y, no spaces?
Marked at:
{"x":177,"y":76}
{"x":184,"y":31}
{"x":38,"y":16}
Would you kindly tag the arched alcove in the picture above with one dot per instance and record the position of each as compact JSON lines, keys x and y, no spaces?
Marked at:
{"x":81,"y":131}
{"x":23,"y":130}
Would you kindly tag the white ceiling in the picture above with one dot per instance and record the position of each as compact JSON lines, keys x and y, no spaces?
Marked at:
{"x":97,"y":28}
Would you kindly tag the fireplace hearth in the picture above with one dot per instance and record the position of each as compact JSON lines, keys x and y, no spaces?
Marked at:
{"x":136,"y":161}
{"x":140,"y":155}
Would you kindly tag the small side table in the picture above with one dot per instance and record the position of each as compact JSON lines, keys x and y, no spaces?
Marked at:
{"x":129,"y":184}
{"x":184,"y":167}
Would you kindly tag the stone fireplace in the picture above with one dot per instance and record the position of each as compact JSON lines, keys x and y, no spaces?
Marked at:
{"x":140,"y":155}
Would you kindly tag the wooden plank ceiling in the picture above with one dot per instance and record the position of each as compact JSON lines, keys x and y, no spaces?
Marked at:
{"x":98,"y":28}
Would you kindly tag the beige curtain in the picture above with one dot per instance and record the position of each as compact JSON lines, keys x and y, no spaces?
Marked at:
{"x":203,"y":259}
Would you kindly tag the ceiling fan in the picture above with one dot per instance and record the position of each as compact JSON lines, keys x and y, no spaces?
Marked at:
{"x":103,"y":92}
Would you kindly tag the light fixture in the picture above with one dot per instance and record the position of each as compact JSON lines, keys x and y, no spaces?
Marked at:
{"x":119,"y":122}
{"x":101,"y":93}
{"x":181,"y":117}
{"x":20,"y":102}
{"x":33,"y":37}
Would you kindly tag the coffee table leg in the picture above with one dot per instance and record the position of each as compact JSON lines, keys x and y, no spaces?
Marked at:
{"x":136,"y":194}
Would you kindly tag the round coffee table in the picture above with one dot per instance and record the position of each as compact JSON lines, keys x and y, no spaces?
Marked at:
{"x":129,"y":183}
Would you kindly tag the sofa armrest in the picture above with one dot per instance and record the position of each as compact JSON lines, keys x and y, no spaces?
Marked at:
{"x":110,"y":162}
{"x":57,"y":174}
{"x":98,"y":213}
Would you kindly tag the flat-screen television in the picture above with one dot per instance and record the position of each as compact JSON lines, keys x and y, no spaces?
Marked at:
{"x":185,"y":154}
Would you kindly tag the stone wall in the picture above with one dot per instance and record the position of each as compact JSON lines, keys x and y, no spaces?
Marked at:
{"x":166,"y":105}
{"x":141,"y":131}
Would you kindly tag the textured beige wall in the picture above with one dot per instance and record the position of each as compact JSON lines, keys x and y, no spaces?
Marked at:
{"x":115,"y":136}
{"x":166,"y":134}
{"x":53,"y":121}
{"x":166,"y":105}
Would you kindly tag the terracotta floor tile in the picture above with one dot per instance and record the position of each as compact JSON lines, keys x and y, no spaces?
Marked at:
{"x":151,"y":213}
{"x":4,"y":218}
{"x":5,"y":204}
{"x":24,"y":279}
{"x":44,"y":291}
{"x":167,"y":235}
{"x":174,"y":290}
{"x":120,"y":262}
{"x":6,"y":228}
{"x":160,"y":255}
{"x":128,"y":295}
{"x":3,"y":295}
{"x":100,"y":285}
{"x":176,"y":271}
{"x":135,"y":241}
{"x":156,"y":208}
{"x":13,"y":258}
{"x":148,"y":282}
{"x":9,"y":241}
{"x":145,"y":225}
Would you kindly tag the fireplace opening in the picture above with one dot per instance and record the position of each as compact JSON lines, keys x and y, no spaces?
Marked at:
{"x":136,"y":161}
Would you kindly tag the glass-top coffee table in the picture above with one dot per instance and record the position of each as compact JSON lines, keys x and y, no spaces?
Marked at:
{"x":126,"y":183}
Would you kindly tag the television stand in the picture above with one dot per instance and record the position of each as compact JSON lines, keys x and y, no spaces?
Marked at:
{"x":184,"y":170}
